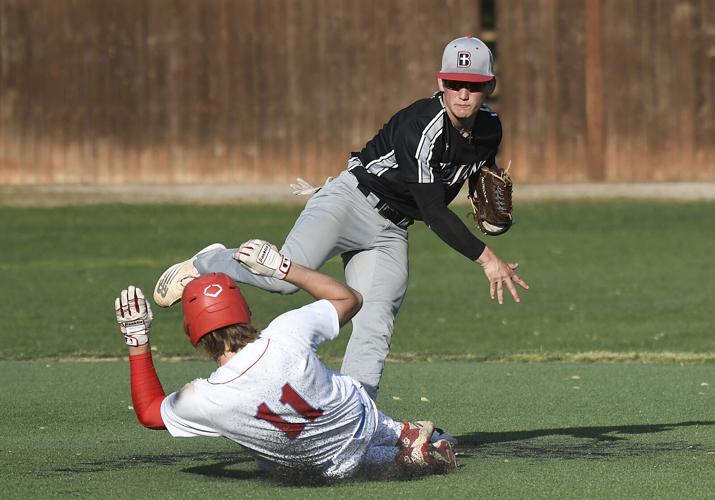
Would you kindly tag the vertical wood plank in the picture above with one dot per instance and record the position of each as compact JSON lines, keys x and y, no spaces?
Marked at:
{"x":569,"y":108}
{"x":683,"y":52}
{"x":594,"y":91}
{"x":705,"y":78}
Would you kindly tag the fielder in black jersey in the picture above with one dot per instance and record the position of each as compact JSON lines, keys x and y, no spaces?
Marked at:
{"x":411,"y":170}
{"x":419,"y":161}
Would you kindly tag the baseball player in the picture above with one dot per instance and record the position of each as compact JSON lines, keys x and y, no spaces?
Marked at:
{"x":411,"y":170}
{"x":270,"y":393}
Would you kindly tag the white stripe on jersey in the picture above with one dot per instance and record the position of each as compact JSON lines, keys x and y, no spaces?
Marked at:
{"x":377,"y":167}
{"x":458,"y":174}
{"x":423,"y":155}
{"x":354,"y":162}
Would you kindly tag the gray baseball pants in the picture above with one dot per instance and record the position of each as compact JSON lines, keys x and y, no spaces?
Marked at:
{"x":340,"y":220}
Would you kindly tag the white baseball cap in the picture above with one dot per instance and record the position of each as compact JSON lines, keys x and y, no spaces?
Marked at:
{"x":467,"y":59}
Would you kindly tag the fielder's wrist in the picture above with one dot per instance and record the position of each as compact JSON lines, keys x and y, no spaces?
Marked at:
{"x":486,"y":256}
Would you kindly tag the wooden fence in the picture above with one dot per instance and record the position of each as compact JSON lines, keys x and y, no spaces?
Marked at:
{"x":216,"y":91}
{"x":612,"y":90}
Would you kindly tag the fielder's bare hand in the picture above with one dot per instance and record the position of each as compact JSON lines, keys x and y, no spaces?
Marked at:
{"x":499,"y":274}
{"x":133,"y":316}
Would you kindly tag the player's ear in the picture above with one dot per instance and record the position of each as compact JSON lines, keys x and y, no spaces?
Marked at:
{"x":491,"y":87}
{"x":440,"y":84}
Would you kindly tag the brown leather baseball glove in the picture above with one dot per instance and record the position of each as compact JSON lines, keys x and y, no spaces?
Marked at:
{"x":490,"y":196}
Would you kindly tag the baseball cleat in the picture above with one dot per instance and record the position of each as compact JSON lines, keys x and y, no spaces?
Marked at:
{"x":437,"y":458}
{"x":415,"y":434}
{"x":442,"y":456}
{"x":172,"y":282}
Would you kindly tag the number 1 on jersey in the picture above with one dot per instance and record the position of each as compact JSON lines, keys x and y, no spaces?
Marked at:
{"x":294,"y":400}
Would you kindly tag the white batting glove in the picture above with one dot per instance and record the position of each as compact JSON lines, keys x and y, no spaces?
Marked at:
{"x":134,"y":316}
{"x":303,"y":187}
{"x":263,"y":259}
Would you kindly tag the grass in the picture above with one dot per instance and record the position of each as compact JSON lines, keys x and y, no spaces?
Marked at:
{"x":620,"y":303}
{"x":611,"y":278}
{"x":540,"y":430}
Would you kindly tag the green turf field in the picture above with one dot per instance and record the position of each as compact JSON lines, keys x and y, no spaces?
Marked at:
{"x":539,"y":430}
{"x":623,"y":287}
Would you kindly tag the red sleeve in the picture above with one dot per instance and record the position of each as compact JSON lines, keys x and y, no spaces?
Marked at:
{"x":147,"y":393}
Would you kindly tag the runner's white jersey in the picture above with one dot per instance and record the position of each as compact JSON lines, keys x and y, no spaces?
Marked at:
{"x":276,"y":398}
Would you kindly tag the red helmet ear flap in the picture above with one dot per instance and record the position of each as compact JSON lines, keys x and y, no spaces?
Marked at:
{"x":210,"y":302}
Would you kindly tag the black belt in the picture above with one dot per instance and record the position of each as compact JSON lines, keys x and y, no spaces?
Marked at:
{"x":387,"y":211}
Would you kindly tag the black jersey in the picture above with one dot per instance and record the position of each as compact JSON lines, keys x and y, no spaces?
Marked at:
{"x":420,"y":145}
{"x":418,"y":162}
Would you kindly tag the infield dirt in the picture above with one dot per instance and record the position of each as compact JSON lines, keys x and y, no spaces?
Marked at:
{"x":63,"y":195}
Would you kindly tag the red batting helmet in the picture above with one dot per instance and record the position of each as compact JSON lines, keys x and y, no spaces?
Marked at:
{"x":210,"y":302}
